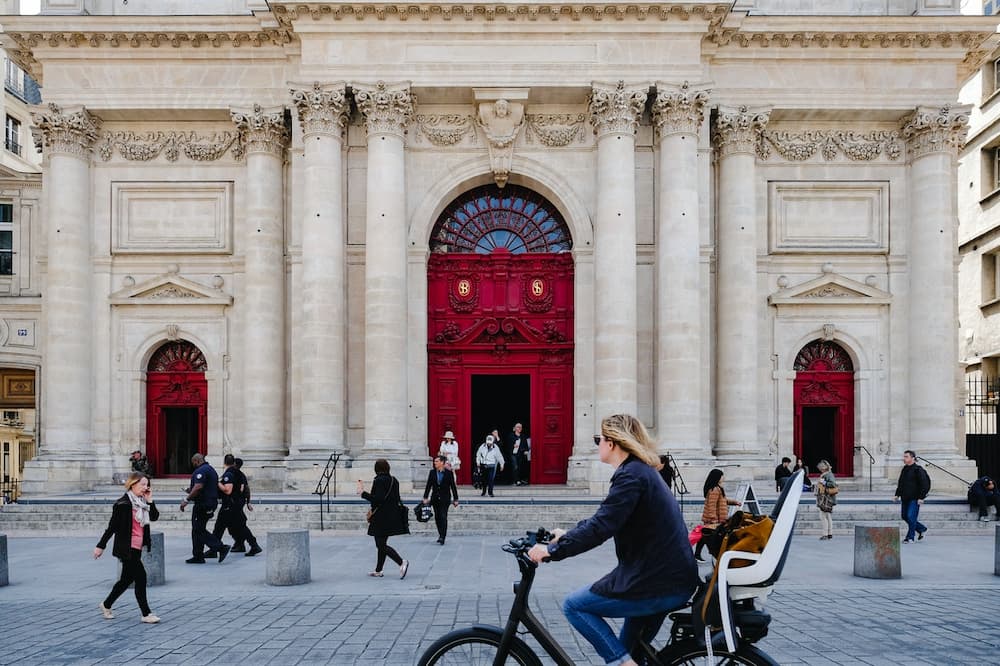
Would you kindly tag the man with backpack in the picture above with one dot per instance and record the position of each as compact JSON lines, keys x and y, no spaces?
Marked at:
{"x":911,"y":490}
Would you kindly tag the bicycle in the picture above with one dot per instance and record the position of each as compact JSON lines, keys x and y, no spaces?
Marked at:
{"x":488,"y":644}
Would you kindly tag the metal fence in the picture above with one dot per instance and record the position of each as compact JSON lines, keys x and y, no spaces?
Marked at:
{"x":10,"y":490}
{"x":982,"y":440}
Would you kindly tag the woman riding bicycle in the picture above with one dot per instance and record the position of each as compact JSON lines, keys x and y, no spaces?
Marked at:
{"x":656,"y":571}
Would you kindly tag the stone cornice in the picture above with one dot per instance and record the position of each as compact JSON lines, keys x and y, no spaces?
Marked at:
{"x":288,"y":12}
{"x":66,"y":132}
{"x":262,"y":131}
{"x":322,"y":109}
{"x":936,"y":130}
{"x":615,"y":109}
{"x":387,"y":108}
{"x":679,"y":109}
{"x":738,"y":129}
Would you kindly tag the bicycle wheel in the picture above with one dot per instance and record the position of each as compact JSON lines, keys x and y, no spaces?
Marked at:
{"x":686,"y":654}
{"x":475,"y":646}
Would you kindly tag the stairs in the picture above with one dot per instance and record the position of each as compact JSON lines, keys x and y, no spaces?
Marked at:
{"x":511,"y":512}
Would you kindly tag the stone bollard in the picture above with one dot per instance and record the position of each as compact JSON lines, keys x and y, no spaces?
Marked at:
{"x":154,"y":560}
{"x":4,"y":580}
{"x":876,"y":552}
{"x":996,"y":554}
{"x":288,"y":557}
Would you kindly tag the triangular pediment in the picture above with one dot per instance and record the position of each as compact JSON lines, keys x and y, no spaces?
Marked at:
{"x":170,"y":289}
{"x":830,"y":289}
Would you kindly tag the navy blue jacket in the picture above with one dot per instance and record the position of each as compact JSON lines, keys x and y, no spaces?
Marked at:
{"x":208,"y":498}
{"x":651,"y":539}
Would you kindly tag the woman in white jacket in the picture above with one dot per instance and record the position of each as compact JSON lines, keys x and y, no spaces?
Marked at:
{"x":449,"y":449}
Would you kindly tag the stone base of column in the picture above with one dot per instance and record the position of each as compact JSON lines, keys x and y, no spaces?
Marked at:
{"x":266,"y":472}
{"x":69,"y":472}
{"x":303,"y":471}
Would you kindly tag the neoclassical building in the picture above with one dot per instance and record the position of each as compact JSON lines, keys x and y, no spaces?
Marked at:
{"x":291,"y":229}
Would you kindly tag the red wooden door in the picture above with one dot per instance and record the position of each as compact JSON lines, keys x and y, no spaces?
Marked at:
{"x":824,"y":406}
{"x":502,"y":314}
{"x":176,"y":408}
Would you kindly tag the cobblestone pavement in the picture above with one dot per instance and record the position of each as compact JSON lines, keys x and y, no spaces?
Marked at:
{"x":943,"y":611}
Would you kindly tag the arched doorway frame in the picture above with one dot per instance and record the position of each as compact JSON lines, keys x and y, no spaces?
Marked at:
{"x":858,"y":398}
{"x":174,"y":389}
{"x":559,"y":191}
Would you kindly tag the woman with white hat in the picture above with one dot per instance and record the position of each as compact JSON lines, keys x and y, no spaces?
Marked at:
{"x":449,"y":449}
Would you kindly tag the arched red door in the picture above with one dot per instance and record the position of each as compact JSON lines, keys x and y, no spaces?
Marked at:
{"x":176,"y":408}
{"x":824,"y":407}
{"x":500,"y":327}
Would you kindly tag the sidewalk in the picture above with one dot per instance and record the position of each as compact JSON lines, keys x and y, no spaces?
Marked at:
{"x":226,"y":613}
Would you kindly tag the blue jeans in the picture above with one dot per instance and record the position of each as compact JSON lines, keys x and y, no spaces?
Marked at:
{"x":910,"y":511}
{"x":586,"y":612}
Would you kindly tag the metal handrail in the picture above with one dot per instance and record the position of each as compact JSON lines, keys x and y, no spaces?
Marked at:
{"x":871,"y":463}
{"x":935,"y":465}
{"x":323,"y":484}
{"x":678,"y":486}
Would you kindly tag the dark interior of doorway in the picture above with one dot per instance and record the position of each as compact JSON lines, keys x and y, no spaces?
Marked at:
{"x":181,"y":438}
{"x":818,"y":431}
{"x":498,"y":402}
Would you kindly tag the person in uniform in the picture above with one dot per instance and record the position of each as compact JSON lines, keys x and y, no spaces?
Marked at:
{"x":247,"y":535}
{"x":231,"y":514}
{"x":204,"y":493}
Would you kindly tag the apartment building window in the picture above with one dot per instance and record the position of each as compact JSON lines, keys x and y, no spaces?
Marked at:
{"x":13,"y":135}
{"x":13,"y":79}
{"x":6,"y":239}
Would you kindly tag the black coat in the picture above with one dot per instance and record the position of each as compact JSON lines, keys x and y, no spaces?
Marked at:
{"x":389,"y":517}
{"x":913,"y":483}
{"x":446,"y":492}
{"x":120,"y":525}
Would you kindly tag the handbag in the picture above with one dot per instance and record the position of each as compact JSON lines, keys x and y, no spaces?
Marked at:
{"x":369,"y":514}
{"x":695,"y":535}
{"x":832,"y":490}
{"x":825,"y":502}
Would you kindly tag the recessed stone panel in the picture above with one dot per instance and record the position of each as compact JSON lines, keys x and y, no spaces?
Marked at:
{"x":811,"y":216}
{"x":171,"y":217}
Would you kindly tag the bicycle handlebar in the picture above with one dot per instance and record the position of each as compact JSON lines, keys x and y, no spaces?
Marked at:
{"x":522,"y":545}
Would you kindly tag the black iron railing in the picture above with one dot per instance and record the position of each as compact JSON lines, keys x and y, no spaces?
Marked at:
{"x":10,"y":490}
{"x":677,"y":484}
{"x":871,"y":462}
{"x":323,"y":485}
{"x":936,"y":466}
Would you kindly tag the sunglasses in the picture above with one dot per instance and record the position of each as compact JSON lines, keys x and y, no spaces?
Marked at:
{"x":597,"y":440}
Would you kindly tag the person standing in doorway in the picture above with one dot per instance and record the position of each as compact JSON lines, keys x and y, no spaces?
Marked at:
{"x":911,"y":491}
{"x":489,"y":458}
{"x":517,"y":444}
{"x":204,"y":492}
{"x":441,"y":492}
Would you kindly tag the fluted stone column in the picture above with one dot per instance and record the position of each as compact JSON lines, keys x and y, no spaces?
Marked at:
{"x":68,"y":135}
{"x":614,"y":113}
{"x":736,"y":132}
{"x":322,"y":112}
{"x":387,"y":110}
{"x":934,"y":137}
{"x":265,"y":135}
{"x":678,"y":113}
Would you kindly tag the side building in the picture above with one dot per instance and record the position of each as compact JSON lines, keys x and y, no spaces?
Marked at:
{"x":292,"y":230}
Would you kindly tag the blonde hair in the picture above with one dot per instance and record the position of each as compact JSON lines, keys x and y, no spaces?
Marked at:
{"x":628,"y":432}
{"x":133,"y":479}
{"x":823,"y":466}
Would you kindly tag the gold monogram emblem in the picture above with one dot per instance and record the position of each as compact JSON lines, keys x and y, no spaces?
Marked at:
{"x":464,"y":287}
{"x":537,"y":287}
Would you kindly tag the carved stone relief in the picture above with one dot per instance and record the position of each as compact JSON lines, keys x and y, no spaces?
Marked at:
{"x":738,"y":129}
{"x":445,"y":129}
{"x":321,"y":109}
{"x":501,"y":121}
{"x":858,"y":146}
{"x":387,"y":109}
{"x":71,"y":132}
{"x":555,"y":130}
{"x":146,"y":146}
{"x":615,"y":109}
{"x":933,"y":130}
{"x":262,"y":131}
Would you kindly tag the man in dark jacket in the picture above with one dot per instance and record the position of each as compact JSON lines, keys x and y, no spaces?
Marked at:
{"x":204,"y":492}
{"x":911,"y":490}
{"x":982,"y":495}
{"x":441,"y":492}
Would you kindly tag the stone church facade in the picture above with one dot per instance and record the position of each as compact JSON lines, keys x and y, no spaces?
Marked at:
{"x":292,"y":229}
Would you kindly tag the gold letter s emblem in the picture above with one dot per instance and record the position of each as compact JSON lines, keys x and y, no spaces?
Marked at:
{"x":537,"y":287}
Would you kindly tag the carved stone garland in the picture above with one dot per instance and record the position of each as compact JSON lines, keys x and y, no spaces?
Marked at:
{"x":321,"y":109}
{"x":856,"y":146}
{"x":72,"y":133}
{"x":387,"y":110}
{"x":143,"y":147}
{"x":616,"y":109}
{"x":445,"y":129}
{"x":262,"y":131}
{"x":931,"y":130}
{"x":555,"y":130}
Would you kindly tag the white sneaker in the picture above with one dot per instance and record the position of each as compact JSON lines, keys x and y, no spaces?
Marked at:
{"x":984,"y":519}
{"x":150,"y":619}
{"x":106,"y":612}
{"x":403,"y":568}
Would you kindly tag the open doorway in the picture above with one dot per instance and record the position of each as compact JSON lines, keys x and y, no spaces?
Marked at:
{"x":498,"y":402}
{"x":818,"y":436}
{"x":181,"y":437}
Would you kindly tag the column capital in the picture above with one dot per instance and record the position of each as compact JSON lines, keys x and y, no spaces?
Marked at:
{"x":387,"y":108}
{"x":615,"y":108}
{"x":262,"y":131}
{"x":932,"y":129}
{"x":737,"y":129}
{"x":322,"y":109}
{"x":679,"y":109}
{"x":69,"y":131}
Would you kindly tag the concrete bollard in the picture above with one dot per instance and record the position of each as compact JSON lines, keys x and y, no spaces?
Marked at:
{"x":154,"y":560}
{"x":876,"y":552}
{"x":4,"y":580}
{"x":288,"y":557}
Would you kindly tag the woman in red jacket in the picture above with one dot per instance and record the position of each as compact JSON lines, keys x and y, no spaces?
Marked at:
{"x":130,"y":518}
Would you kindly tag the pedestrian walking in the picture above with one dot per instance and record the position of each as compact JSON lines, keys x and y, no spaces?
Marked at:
{"x":240,"y":544}
{"x":489,"y":458}
{"x":130,"y":518}
{"x":911,"y":491}
{"x":231,"y":516}
{"x":716,"y":509}
{"x":441,"y":492}
{"x":387,"y":517}
{"x":204,"y":493}
{"x":826,"y":497}
{"x":517,"y":445}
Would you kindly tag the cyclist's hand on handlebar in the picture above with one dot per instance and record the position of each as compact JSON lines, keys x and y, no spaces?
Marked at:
{"x":538,"y":553}
{"x":556,"y":535}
